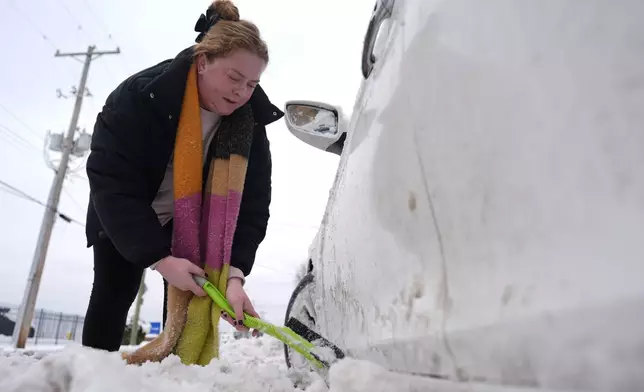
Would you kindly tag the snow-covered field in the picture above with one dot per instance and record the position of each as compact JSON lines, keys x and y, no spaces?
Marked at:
{"x":247,"y":365}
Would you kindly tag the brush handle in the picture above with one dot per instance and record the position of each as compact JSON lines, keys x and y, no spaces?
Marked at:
{"x":283,"y":334}
{"x":215,"y":294}
{"x":222,"y":302}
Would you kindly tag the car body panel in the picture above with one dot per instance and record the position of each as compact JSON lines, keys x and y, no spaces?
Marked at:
{"x":487,"y":219}
{"x":370,"y":192}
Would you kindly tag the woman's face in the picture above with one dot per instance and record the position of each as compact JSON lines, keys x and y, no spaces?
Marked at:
{"x":227,"y":83}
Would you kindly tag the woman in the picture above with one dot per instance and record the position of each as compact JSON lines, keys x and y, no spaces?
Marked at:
{"x":180,"y":179}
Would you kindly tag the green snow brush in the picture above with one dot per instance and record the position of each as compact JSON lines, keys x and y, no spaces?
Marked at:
{"x":294,"y":334}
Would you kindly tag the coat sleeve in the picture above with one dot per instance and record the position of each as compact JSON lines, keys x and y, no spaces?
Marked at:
{"x":116,"y":169}
{"x":254,"y":209}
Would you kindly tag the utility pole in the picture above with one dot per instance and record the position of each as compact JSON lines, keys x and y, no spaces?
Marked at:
{"x":26,"y":311}
{"x":134,"y":331}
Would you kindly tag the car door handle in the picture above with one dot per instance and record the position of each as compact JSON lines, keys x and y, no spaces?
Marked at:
{"x":381,"y":11}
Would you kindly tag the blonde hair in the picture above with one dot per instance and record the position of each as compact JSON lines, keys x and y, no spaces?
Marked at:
{"x":230,"y":34}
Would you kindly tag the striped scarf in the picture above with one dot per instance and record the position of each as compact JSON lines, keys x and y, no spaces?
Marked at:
{"x":204,"y":224}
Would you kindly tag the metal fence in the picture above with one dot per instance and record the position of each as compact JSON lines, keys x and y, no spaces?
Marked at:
{"x":47,"y":327}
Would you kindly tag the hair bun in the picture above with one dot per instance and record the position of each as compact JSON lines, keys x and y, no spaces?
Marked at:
{"x":226,"y":9}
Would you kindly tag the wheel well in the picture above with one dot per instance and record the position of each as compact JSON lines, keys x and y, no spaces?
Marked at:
{"x":305,"y":281}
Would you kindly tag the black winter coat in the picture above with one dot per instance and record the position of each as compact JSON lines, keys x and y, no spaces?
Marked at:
{"x":132,"y":144}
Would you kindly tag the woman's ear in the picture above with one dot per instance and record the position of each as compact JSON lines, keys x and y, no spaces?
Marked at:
{"x":201,"y":63}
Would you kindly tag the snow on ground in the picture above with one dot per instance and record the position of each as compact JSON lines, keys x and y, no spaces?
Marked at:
{"x":247,"y":365}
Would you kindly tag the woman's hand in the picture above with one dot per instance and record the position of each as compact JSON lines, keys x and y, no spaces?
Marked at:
{"x":178,"y":272}
{"x":241,"y":304}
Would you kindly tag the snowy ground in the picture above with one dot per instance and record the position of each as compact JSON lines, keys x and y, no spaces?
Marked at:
{"x":247,"y":365}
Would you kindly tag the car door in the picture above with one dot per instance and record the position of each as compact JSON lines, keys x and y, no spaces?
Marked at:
{"x":501,"y":176}
{"x":533,"y":151}
{"x":380,"y":272}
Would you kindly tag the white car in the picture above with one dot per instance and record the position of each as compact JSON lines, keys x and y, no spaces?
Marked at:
{"x":486,"y":225}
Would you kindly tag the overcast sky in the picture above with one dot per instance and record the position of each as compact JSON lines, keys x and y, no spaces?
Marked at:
{"x":315,"y":50}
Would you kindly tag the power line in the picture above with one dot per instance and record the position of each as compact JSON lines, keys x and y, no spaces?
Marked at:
{"x":104,"y":27}
{"x":21,"y":122}
{"x":76,"y":20}
{"x":87,"y":33}
{"x":23,"y":195}
{"x":4,"y":137}
{"x":74,"y":201}
{"x":13,"y":192}
{"x":100,"y":21}
{"x":73,"y":18}
{"x":38,"y":31}
{"x":34,"y":25}
{"x":16,"y":136}
{"x":20,"y":147}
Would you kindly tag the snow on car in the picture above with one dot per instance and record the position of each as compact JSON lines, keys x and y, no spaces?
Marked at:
{"x":486,"y":221}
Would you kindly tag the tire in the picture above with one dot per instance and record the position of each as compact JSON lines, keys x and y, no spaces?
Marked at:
{"x":309,"y":318}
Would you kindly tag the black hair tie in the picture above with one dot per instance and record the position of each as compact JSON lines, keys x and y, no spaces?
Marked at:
{"x":205,"y":23}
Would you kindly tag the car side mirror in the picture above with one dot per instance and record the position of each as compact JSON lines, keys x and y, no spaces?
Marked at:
{"x":317,"y":124}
